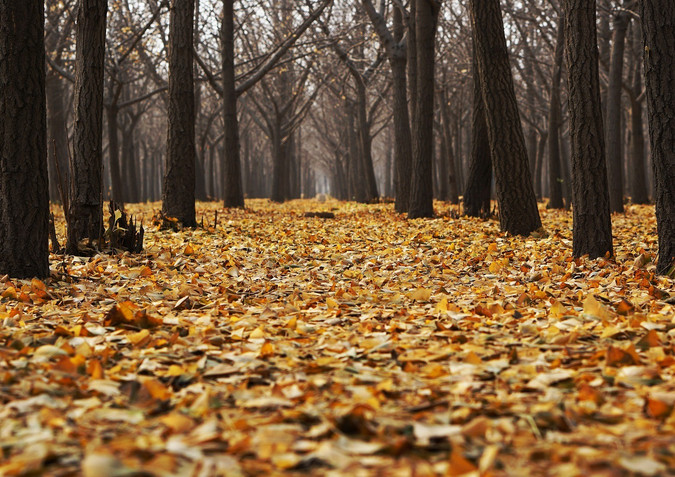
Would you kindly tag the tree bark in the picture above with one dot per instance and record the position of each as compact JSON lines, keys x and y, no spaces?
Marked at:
{"x":116,"y":184}
{"x":658,"y":30}
{"x":178,"y":197}
{"x":518,"y":213}
{"x":234,"y":193}
{"x":421,"y":187}
{"x":614,"y":110}
{"x":555,"y":180}
{"x":638,"y":180}
{"x":85,"y":214}
{"x":24,"y":185}
{"x":592,"y":227}
{"x":479,"y":183}
{"x":57,"y":136}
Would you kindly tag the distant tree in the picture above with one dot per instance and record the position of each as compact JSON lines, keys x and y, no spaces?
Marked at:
{"x":614,"y":142}
{"x":24,"y":185}
{"x":554,"y":120}
{"x":85,"y":204}
{"x":421,"y":186}
{"x":178,"y":197}
{"x":395,"y":49}
{"x":234,"y":195}
{"x":658,"y":29}
{"x":592,"y":232}
{"x":479,"y":183}
{"x":518,"y":213}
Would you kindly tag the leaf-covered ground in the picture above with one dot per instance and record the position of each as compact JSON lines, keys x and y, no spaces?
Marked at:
{"x":274,"y":343}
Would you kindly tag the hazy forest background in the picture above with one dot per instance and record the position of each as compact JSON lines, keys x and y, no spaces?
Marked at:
{"x":372,"y":237}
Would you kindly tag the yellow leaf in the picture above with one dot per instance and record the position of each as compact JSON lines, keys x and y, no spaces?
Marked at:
{"x":258,"y":333}
{"x":558,"y":309}
{"x":189,"y":250}
{"x":331,"y":303}
{"x":442,"y":305}
{"x":421,"y":294}
{"x":593,"y":307}
{"x":140,"y":338}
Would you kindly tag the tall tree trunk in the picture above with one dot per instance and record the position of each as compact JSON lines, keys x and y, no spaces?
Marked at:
{"x":24,"y":185}
{"x":57,"y":136}
{"x":592,"y":232}
{"x":421,"y":187}
{"x":411,"y":45}
{"x":638,"y":184}
{"x":518,"y":213}
{"x":402,"y":134}
{"x":658,"y":30}
{"x":117,"y":186}
{"x":234,"y":193}
{"x":555,"y":180}
{"x":178,"y":197}
{"x":365,"y":145}
{"x":85,"y":214}
{"x":614,"y":110}
{"x":479,"y":183}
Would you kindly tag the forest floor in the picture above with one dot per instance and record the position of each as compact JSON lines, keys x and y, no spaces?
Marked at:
{"x":365,"y":344}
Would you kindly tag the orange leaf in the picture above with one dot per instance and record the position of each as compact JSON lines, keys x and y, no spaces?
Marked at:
{"x":156,"y":389}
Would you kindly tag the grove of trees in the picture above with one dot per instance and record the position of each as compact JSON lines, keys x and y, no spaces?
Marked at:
{"x":414,"y":100}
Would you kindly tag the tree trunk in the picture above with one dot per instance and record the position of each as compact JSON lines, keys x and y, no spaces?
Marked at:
{"x":479,"y":183}
{"x":85,"y":214}
{"x":421,"y":187}
{"x":234,"y":193}
{"x":178,"y":197}
{"x":57,"y":136}
{"x":614,"y":143}
{"x":592,"y":232}
{"x":365,"y":145}
{"x":638,"y":184}
{"x":518,"y":213}
{"x":658,"y":30}
{"x":24,"y":185}
{"x":117,"y":186}
{"x":402,"y":134}
{"x":555,"y":180}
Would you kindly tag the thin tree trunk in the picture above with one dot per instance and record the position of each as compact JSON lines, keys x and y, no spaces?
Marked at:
{"x":234,"y":193}
{"x":178,"y":197}
{"x":85,"y":214}
{"x":421,"y":187}
{"x":554,"y":119}
{"x":479,"y":183}
{"x":613,"y":142}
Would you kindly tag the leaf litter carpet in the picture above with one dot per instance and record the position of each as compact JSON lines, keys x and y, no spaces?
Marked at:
{"x":270,"y":343}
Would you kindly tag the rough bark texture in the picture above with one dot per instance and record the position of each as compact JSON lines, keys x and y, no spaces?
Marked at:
{"x":85,"y":214}
{"x":178,"y":197}
{"x":658,"y":29}
{"x":24,"y":185}
{"x":518,"y":213}
{"x":614,"y":142}
{"x":421,"y":187}
{"x":592,"y":232}
{"x":479,"y":183}
{"x":234,"y":194}
{"x":554,"y":119}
